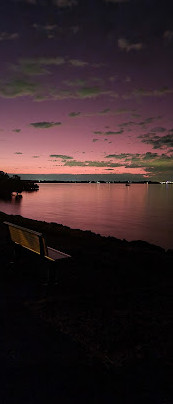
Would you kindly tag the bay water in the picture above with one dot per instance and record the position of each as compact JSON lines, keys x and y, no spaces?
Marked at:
{"x":137,"y":212}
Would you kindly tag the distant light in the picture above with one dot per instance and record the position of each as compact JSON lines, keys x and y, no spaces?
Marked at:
{"x":166,"y":182}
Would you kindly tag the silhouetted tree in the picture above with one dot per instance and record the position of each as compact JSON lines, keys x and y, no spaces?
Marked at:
{"x":14,"y":184}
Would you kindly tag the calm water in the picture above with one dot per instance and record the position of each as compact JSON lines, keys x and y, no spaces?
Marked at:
{"x":140,"y":211}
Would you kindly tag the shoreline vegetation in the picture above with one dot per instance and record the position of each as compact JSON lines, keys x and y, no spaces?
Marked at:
{"x":8,"y":185}
{"x":112,"y":299}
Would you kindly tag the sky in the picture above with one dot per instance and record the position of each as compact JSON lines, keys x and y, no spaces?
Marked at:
{"x":86,"y":87}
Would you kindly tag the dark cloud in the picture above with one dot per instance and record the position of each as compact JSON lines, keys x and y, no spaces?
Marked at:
{"x":104,"y":111}
{"x":158,"y":129}
{"x":61,"y":156}
{"x":152,"y":93}
{"x":151,"y":162}
{"x":114,"y":132}
{"x":109,"y":132}
{"x":144,"y":123}
{"x":121,"y":156}
{"x":74,"y":114}
{"x":80,"y":93}
{"x":90,"y":163}
{"x":31,"y":68}
{"x":17,"y":88}
{"x":78,"y":63}
{"x":61,"y":94}
{"x":75,"y":83}
{"x":126,"y":45}
{"x":56,"y":31}
{"x":4,"y":36}
{"x":90,"y":92}
{"x":34,"y":67}
{"x":39,"y":62}
{"x":150,"y":155}
{"x":44,"y":125}
{"x":135,"y":115}
{"x":129,"y":123}
{"x":158,"y":142}
{"x":120,"y":111}
{"x":17,"y":130}
{"x":75,"y":163}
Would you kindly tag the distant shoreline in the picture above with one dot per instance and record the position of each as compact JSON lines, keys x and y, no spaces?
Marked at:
{"x":96,"y":182}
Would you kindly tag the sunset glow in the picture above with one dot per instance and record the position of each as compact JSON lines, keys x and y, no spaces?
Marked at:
{"x":86,"y":87}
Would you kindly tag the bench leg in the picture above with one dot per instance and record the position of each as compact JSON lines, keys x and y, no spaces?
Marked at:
{"x":51,"y":274}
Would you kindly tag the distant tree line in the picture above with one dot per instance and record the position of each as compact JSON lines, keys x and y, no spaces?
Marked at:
{"x":8,"y":185}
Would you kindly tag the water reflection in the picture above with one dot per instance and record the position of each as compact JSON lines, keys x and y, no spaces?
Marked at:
{"x":11,"y":205}
{"x":141,"y":211}
{"x":17,"y":199}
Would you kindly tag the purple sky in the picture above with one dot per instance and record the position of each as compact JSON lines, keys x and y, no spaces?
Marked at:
{"x":86,"y":87}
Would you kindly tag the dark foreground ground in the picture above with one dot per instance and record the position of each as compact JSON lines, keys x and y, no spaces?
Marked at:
{"x":102,"y":332}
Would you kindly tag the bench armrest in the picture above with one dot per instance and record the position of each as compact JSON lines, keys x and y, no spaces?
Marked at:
{"x":55,"y":254}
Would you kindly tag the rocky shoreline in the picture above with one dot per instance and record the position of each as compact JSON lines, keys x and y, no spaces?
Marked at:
{"x":113,"y":299}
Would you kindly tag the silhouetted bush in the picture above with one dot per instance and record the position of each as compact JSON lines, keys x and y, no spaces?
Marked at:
{"x":14,"y":184}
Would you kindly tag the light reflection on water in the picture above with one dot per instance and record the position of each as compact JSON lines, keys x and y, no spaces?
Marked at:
{"x":138,"y":212}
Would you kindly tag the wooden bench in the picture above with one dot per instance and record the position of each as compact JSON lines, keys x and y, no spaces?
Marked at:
{"x":33,"y":241}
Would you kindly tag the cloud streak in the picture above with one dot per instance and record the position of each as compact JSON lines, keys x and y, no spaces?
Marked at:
{"x":18,"y":88}
{"x":77,"y":62}
{"x":6,"y":36}
{"x":141,"y":92}
{"x":125,"y":45}
{"x":109,"y":132}
{"x":61,"y":156}
{"x":151,"y":162}
{"x":44,"y":125}
{"x":73,"y":114}
{"x":17,"y":130}
{"x":90,"y":163}
{"x":158,"y":142}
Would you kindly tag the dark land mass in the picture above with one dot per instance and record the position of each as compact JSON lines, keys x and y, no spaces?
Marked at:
{"x":8,"y":185}
{"x":101,"y":333}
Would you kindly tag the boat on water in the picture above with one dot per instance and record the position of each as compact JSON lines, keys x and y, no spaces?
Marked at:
{"x":127,"y":184}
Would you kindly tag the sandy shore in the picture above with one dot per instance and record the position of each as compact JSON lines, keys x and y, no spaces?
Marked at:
{"x":105,"y":326}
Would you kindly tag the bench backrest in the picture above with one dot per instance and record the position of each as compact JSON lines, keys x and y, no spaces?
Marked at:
{"x":29,"y":239}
